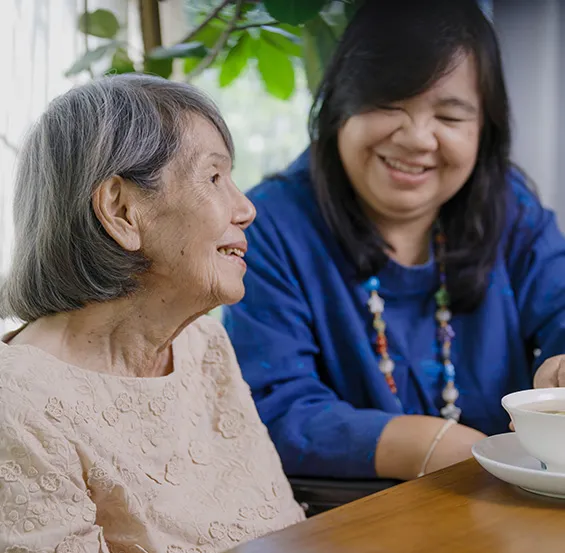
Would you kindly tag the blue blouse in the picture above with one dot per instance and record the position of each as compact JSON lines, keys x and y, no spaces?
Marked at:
{"x":303,"y":333}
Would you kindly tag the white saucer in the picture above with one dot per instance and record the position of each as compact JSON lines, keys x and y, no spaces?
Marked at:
{"x":505,"y":458}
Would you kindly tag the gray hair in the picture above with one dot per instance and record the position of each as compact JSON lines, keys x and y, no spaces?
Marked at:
{"x":126,"y":125}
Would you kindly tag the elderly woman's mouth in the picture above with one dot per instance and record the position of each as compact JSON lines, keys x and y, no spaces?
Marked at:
{"x":232,"y":252}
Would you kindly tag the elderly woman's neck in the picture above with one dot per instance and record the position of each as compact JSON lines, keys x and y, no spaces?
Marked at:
{"x":126,"y":337}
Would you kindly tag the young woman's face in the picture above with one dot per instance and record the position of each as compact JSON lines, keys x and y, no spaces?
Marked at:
{"x":406,"y":159}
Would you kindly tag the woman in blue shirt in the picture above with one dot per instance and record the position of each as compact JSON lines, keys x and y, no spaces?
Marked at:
{"x":401,"y":273}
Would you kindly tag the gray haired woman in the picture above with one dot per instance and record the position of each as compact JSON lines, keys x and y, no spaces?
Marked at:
{"x":125,"y":424}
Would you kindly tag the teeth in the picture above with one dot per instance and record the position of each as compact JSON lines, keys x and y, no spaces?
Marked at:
{"x":230,"y":251}
{"x":413,"y":170}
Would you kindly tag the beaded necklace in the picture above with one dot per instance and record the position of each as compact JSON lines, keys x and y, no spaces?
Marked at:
{"x":445,"y":332}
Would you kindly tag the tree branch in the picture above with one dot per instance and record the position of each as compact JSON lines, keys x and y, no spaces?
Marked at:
{"x":86,"y":49}
{"x":207,"y":20}
{"x":211,"y":56}
{"x":12,"y":147}
{"x":150,"y":24}
{"x":253,"y":25}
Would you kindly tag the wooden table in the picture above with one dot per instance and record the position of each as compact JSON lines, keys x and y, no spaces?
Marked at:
{"x":462,"y":509}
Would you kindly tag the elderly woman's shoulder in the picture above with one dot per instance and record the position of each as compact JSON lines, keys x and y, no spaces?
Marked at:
{"x":206,"y":337}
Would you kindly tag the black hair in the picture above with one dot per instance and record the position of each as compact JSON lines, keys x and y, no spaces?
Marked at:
{"x":394,"y":50}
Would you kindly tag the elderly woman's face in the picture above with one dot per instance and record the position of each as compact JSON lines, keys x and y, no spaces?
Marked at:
{"x":194,"y":230}
{"x":407,"y":159}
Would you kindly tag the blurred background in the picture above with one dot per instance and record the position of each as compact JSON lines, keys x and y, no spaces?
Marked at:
{"x":260,"y":61}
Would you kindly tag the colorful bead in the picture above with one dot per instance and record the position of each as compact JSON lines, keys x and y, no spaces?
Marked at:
{"x":445,"y":333}
{"x":443,"y":315}
{"x":372,"y":285}
{"x":449,"y":369}
{"x":376,"y":303}
{"x":386,"y":365}
{"x":442,"y":297}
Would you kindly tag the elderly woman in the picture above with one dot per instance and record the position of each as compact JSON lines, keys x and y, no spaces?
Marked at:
{"x":402,"y":274}
{"x":125,"y":424}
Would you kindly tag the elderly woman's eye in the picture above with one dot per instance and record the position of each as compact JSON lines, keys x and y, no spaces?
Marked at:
{"x":215,"y":178}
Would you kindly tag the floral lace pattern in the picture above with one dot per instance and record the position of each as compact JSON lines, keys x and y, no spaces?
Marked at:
{"x":179,"y":464}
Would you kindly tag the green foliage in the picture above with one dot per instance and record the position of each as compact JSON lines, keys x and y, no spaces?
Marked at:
{"x":319,"y":42}
{"x":276,"y":70}
{"x":121,"y":62}
{"x":294,"y":12}
{"x":85,"y":62}
{"x":100,"y":23}
{"x":236,"y":60}
{"x":268,"y":37}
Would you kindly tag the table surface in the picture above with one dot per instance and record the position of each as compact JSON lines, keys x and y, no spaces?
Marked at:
{"x":462,"y":509}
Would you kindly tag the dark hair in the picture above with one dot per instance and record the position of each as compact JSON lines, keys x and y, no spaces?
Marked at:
{"x":394,"y":50}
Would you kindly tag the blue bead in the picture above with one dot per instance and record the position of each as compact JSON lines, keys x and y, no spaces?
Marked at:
{"x":449,"y":370}
{"x":373,"y":284}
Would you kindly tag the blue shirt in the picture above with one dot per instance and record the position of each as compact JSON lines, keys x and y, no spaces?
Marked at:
{"x":304,"y":339}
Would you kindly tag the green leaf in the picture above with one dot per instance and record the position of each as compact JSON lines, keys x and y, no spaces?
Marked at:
{"x":190,"y":64}
{"x":290,"y":44}
{"x":291,"y":29}
{"x":319,"y":43}
{"x":209,"y":35}
{"x":121,"y":62}
{"x":100,"y":23}
{"x":236,"y":60}
{"x":276,"y":70}
{"x":163,"y":68}
{"x":182,"y":50}
{"x":294,"y":11}
{"x":85,"y":62}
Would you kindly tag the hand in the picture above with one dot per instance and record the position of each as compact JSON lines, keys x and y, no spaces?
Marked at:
{"x":551,"y":374}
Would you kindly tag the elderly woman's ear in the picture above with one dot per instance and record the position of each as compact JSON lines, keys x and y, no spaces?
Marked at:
{"x":116,"y":203}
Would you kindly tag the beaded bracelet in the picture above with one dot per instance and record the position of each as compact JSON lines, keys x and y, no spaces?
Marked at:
{"x":439,"y":436}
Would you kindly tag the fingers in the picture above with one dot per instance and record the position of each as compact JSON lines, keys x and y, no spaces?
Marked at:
{"x":551,"y":374}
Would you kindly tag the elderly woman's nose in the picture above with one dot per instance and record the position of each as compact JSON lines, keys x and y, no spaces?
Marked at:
{"x":244,"y":211}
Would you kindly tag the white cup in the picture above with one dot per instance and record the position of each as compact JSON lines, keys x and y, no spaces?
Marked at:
{"x":541,"y":434}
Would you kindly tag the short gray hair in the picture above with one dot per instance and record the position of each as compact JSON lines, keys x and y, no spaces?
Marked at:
{"x":126,"y":125}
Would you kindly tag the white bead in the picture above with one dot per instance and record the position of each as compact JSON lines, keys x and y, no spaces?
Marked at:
{"x":450,"y":394}
{"x":443,"y":315}
{"x":386,"y":366}
{"x":451,"y":411}
{"x":376,"y":304}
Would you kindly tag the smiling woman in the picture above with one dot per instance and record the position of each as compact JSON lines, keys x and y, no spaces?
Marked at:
{"x":401,"y":272}
{"x":125,"y":424}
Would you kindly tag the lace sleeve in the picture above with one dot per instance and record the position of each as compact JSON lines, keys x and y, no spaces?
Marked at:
{"x":44,"y":502}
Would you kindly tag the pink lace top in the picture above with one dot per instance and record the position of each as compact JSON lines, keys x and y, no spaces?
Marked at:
{"x":93,"y":462}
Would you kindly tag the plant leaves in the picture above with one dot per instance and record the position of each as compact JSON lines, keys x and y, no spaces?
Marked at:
{"x":121,"y":62}
{"x":276,"y":70}
{"x":190,"y":64}
{"x":294,"y":11}
{"x":85,"y":62}
{"x":236,"y":60}
{"x":284,"y":41}
{"x":209,"y":35}
{"x":182,"y":50}
{"x":100,"y":23}
{"x":162,"y":68}
{"x":319,"y":43}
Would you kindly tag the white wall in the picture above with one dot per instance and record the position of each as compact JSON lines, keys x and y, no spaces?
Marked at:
{"x":532,"y":36}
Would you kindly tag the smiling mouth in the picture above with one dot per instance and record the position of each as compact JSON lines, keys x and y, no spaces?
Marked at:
{"x":232,"y":252}
{"x":404,"y":167}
